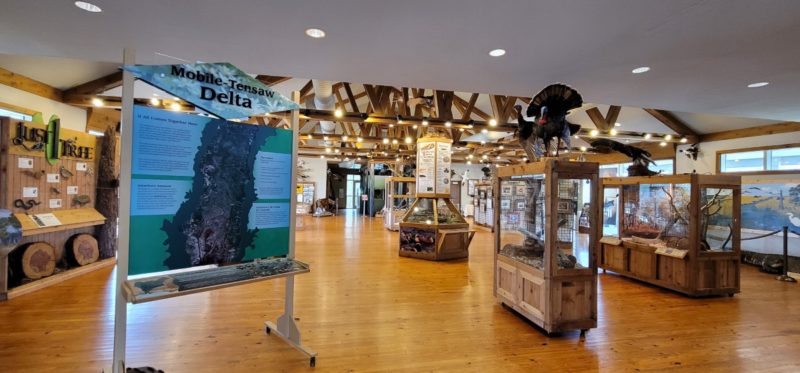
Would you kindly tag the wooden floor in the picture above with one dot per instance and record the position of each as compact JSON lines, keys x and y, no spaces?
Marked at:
{"x":362,"y":308}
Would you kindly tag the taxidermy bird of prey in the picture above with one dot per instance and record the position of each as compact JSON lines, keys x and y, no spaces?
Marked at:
{"x":549,"y":108}
{"x":640,"y":157}
{"x":487,"y":172}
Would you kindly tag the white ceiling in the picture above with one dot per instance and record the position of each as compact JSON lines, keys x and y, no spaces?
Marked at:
{"x":61,"y":73}
{"x":702,"y":52}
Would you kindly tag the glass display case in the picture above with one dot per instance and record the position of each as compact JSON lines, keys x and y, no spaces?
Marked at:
{"x":399,"y":195}
{"x":434,"y":229}
{"x":484,"y":204}
{"x":545,"y":266}
{"x":305,"y":197}
{"x":680,"y":232}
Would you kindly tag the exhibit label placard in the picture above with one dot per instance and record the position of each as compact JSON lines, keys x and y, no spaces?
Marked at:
{"x":433,"y":167}
{"x":218,"y":88}
{"x":207,"y":191}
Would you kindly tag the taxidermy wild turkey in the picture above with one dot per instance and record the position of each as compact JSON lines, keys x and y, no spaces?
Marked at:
{"x":549,"y":108}
{"x":640,"y":157}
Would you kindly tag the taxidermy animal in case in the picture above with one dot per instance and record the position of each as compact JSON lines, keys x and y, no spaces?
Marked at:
{"x":640,"y":157}
{"x":549,"y":108}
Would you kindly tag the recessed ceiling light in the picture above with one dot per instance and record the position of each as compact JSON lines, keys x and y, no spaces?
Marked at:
{"x":617,"y":124}
{"x":97,"y":102}
{"x":641,"y":70}
{"x":593,"y":133}
{"x":175,"y":106}
{"x":492,"y":122}
{"x":758,"y":85}
{"x":338,"y":113}
{"x":315,"y":33}
{"x":497,"y":52}
{"x":668,"y":137}
{"x":613,"y":132}
{"x":647,"y":136}
{"x":663,"y":143}
{"x":154,"y":101}
{"x":448,"y":124}
{"x":89,"y":7}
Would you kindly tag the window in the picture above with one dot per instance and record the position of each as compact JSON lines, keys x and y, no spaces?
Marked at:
{"x":621,"y":169}
{"x":775,"y":159}
{"x":15,"y":115}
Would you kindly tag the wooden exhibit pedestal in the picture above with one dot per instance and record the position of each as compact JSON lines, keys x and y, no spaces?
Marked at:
{"x":545,"y":269}
{"x":704,"y":261}
{"x":556,"y":304}
{"x":73,"y":221}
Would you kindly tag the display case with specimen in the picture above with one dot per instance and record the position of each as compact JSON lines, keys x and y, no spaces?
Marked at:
{"x":400,"y":194}
{"x":484,"y":207}
{"x":545,"y":265}
{"x":433,"y":228}
{"x":680,"y":232}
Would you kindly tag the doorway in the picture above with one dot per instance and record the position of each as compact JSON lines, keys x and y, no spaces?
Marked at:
{"x":353,"y":191}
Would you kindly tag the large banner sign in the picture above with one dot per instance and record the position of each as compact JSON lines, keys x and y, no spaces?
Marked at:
{"x":218,"y":88}
{"x":207,"y":191}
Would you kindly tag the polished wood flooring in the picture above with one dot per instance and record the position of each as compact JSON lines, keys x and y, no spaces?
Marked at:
{"x":363,"y":308}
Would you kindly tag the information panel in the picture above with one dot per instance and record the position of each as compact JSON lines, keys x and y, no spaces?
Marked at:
{"x":207,"y":191}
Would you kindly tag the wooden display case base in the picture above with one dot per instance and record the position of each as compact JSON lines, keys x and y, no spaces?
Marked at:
{"x":557,"y":304}
{"x":57,"y":278}
{"x":437,"y":243}
{"x":712,"y":274}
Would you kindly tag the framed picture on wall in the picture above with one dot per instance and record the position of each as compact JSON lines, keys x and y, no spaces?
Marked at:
{"x":520,"y":190}
{"x":520,"y":205}
{"x":471,"y":187}
{"x":505,"y":204}
{"x":505,"y":190}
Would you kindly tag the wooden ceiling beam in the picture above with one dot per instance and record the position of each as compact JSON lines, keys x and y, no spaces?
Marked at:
{"x":24,"y":83}
{"x":675,"y":124}
{"x":769,"y":129}
{"x":270,"y":80}
{"x":96,"y":86}
{"x":612,"y":115}
{"x":470,"y":107}
{"x":480,"y":113}
{"x":597,"y":118}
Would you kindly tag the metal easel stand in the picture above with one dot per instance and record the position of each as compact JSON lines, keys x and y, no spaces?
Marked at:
{"x":286,"y":328}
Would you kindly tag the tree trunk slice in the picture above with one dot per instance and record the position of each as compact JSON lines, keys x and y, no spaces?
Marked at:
{"x":38,"y":260}
{"x":82,"y":249}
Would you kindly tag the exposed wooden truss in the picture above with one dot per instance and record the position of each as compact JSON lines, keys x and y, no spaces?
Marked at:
{"x":675,"y":124}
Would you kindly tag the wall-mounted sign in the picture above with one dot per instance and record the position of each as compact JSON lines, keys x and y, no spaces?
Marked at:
{"x":39,"y":140}
{"x":218,"y":88}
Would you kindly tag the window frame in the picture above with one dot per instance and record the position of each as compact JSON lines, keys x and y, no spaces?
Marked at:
{"x":765,"y":149}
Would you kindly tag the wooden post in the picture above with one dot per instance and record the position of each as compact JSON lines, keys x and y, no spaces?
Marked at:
{"x":126,"y":137}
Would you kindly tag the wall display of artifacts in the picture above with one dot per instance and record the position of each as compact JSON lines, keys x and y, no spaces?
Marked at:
{"x":680,"y":232}
{"x":484,"y":204}
{"x":48,"y":182}
{"x":207,"y":191}
{"x":545,"y":266}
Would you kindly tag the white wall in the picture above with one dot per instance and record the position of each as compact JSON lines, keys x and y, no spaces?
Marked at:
{"x":318,"y":173}
{"x":707,"y":164}
{"x":71,"y":117}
